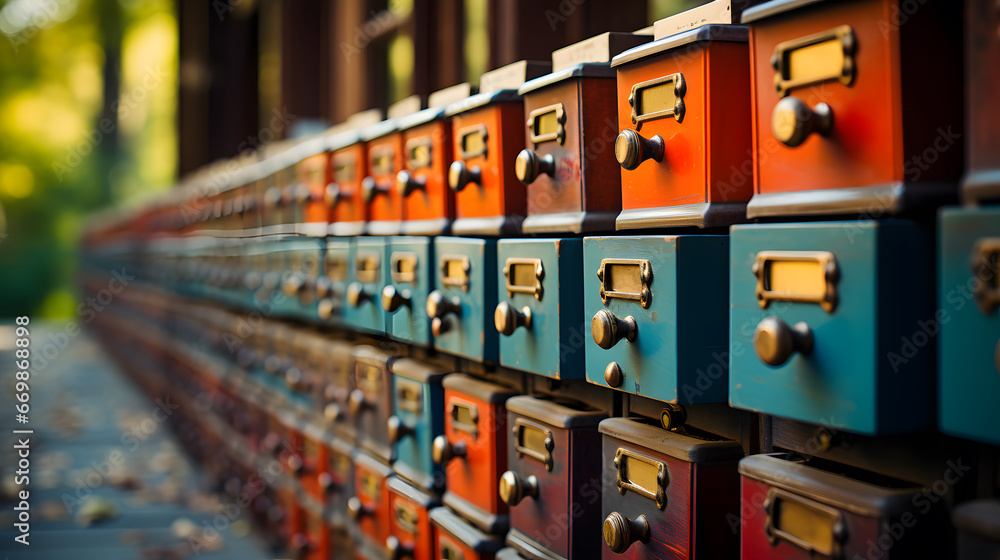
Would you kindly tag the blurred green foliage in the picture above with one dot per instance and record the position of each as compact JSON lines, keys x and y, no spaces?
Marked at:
{"x":87,"y":119}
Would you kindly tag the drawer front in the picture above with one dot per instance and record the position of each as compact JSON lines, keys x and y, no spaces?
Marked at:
{"x":692,"y":103}
{"x":385,"y":160}
{"x":371,"y":404}
{"x":983,"y":55}
{"x":411,"y":276}
{"x":331,"y":287}
{"x":488,"y":163}
{"x":314,"y":173}
{"x":318,"y":536}
{"x":466,"y":292}
{"x":340,"y":470}
{"x":670,"y":528}
{"x":372,"y":519}
{"x":315,"y":458}
{"x":970,"y":322}
{"x":337,"y":385}
{"x":344,"y":194}
{"x":419,"y":408}
{"x":427,"y":153}
{"x":529,"y":275}
{"x":367,"y":273}
{"x":552,"y":139}
{"x":480,"y":428}
{"x":304,"y":259}
{"x":829,"y":305}
{"x":675,"y":291}
{"x":410,"y":524}
{"x":293,"y":517}
{"x":840,"y":123}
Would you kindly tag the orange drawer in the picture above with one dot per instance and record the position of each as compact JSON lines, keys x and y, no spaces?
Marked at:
{"x":384,"y":145}
{"x":428,"y":203}
{"x":843,"y":121}
{"x":369,"y":507}
{"x":314,"y":174}
{"x":409,"y":522}
{"x":684,"y":114}
{"x":349,"y":167}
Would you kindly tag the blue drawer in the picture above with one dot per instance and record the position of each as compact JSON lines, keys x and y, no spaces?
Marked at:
{"x":367,"y":274}
{"x":418,"y":418}
{"x":331,"y":286}
{"x":823,"y":317}
{"x":539,"y":314}
{"x":303,"y":261}
{"x":968,"y":298}
{"x":656,"y":315}
{"x":461,"y":307}
{"x":410,"y":281}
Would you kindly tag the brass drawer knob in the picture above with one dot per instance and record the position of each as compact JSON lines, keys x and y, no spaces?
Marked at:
{"x":327,"y":483}
{"x":438,"y":305}
{"x":296,"y":465}
{"x":325,"y":308}
{"x":293,"y":285}
{"x":356,"y":294}
{"x":613,"y":375}
{"x":371,"y":188}
{"x":775,"y":342}
{"x":333,"y":194}
{"x":356,"y":402}
{"x":631,"y":149}
{"x":620,"y":532}
{"x":507,"y":319}
{"x":407,"y":183}
{"x":357,"y":510}
{"x":333,"y":412}
{"x":444,"y":451}
{"x":393,"y":299}
{"x":607,"y":329}
{"x":793,"y":121}
{"x":398,"y":429}
{"x":324,"y":287}
{"x":460,"y":175}
{"x":514,"y":488}
{"x":528,"y":166}
{"x":396,"y":549}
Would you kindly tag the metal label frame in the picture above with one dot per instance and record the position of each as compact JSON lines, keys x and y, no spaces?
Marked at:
{"x":560,"y":133}
{"x":412,"y":144}
{"x":512,"y":289}
{"x":468,"y":131}
{"x":400,"y":276}
{"x":407,"y":517}
{"x":458,"y":426}
{"x":644,"y":296}
{"x":774,"y":533}
{"x":545,"y":457}
{"x":825,"y":259}
{"x":409,"y":395}
{"x":344,"y":166}
{"x":462,"y":282}
{"x":677,"y":111}
{"x":782,"y":51}
{"x":662,"y":479}
{"x":367,"y":274}
{"x":983,"y":263}
{"x":379,"y":154}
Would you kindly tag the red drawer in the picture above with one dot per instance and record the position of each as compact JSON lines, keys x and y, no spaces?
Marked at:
{"x":384,"y":145}
{"x":349,"y":167}
{"x":369,"y":507}
{"x":456,"y":539}
{"x":428,"y":202}
{"x":410,"y":523}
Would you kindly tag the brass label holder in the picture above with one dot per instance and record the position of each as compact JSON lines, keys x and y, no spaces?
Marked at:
{"x":828,"y":55}
{"x":510,"y":269}
{"x":409,"y":395}
{"x":466,"y":135}
{"x":646,"y":108}
{"x":344,"y":167}
{"x":632,"y":467}
{"x":984,"y":264}
{"x":382,"y":160}
{"x":537,"y":122}
{"x":529,"y":447}
{"x":626,"y":279}
{"x":465,"y":418}
{"x":455,"y":271}
{"x":407,"y":517}
{"x":368,"y":377}
{"x":821,"y":265}
{"x":403,"y":267}
{"x":804,"y":511}
{"x":419,"y":152}
{"x":366,"y":268}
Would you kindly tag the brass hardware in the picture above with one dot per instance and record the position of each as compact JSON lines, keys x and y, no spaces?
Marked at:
{"x":371,"y":486}
{"x":333,"y":194}
{"x":643,"y":475}
{"x":451,"y":552}
{"x":472,"y":142}
{"x":395,"y":549}
{"x":293,"y":284}
{"x":325,"y":309}
{"x":524,"y":276}
{"x":535,"y":441}
{"x":407,"y":184}
{"x":460,"y":175}
{"x":465,"y":418}
{"x":984,"y":264}
{"x":546,"y":124}
{"x":382,"y":160}
{"x":672,"y":416}
{"x":613,"y":375}
{"x":419,"y":152}
{"x":403,"y":267}
{"x":804,"y":276}
{"x":407,"y":517}
{"x":809,"y":525}
{"x":793,"y":121}
{"x":620,"y":532}
{"x":455,"y":271}
{"x":441,"y":325}
{"x":528,"y":166}
{"x":356,"y":509}
{"x":657,"y":99}
{"x":506,"y":319}
{"x":366,"y":268}
{"x":443,"y":451}
{"x":409,"y":395}
{"x":393,"y":299}
{"x":336,"y":267}
{"x":343,"y":168}
{"x":631,"y":149}
{"x":327,"y":483}
{"x":626,"y":279}
{"x":607,"y":330}
{"x":356,"y":294}
{"x":370,"y":188}
{"x":824,"y":438}
{"x":368,"y":378}
{"x":513,"y":488}
{"x":324,"y":287}
{"x":438,"y":305}
{"x":356,"y":402}
{"x":817,"y":58}
{"x":397,"y":429}
{"x":333,"y":413}
{"x":774,"y":342}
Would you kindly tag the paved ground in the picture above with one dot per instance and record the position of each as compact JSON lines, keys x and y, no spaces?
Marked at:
{"x":107,"y":479}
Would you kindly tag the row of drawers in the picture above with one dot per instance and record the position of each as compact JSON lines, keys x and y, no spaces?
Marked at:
{"x":820,"y":322}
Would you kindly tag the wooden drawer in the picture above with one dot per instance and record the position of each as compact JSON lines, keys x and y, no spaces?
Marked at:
{"x":410,"y":280}
{"x":371,"y":400}
{"x":344,"y":195}
{"x":454,"y":538}
{"x":369,"y":507}
{"x":368,"y":276}
{"x":418,"y":418}
{"x":411,"y":534}
{"x":464,"y":298}
{"x":384,"y":145}
{"x":428,"y":202}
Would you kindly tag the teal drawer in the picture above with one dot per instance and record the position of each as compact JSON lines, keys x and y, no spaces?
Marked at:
{"x":331,"y":286}
{"x":656,"y":315}
{"x":418,"y":418}
{"x":539,"y":315}
{"x":826,"y":324}
{"x":410,"y":281}
{"x":968,"y":298}
{"x":303,"y":260}
{"x":461,"y":307}
{"x":367,"y":273}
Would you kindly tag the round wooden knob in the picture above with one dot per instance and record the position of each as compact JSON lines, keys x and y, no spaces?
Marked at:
{"x":460,"y":175}
{"x":514,"y":488}
{"x":356,"y":402}
{"x":775,"y":342}
{"x":407,"y":183}
{"x":620,"y":532}
{"x":438,"y":305}
{"x":613,"y":375}
{"x":793,"y":121}
{"x":393,"y":299}
{"x":333,"y":194}
{"x":631,"y":149}
{"x":356,"y":294}
{"x":356,"y":510}
{"x":397,"y":550}
{"x":397,"y":429}
{"x":507,"y":319}
{"x":607,"y":329}
{"x":528,"y":166}
{"x":443,"y":451}
{"x":293,"y":284}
